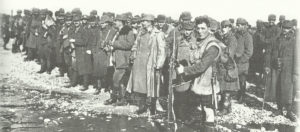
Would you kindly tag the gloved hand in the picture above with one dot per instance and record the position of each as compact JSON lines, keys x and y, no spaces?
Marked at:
{"x":72,"y":40}
{"x":179,"y":69}
{"x":89,"y":52}
{"x":267,"y":70}
{"x":65,"y":36}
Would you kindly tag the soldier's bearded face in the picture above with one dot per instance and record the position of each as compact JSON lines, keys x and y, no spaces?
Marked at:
{"x":103,"y":25}
{"x":203,"y":30}
{"x":77,"y":23}
{"x":68,"y":23}
{"x":272,"y":22}
{"x":93,"y":24}
{"x":161,"y":24}
{"x":286,"y":30}
{"x":84,"y":21}
{"x":118,"y":23}
{"x":134,"y":25}
{"x":146,"y":24}
{"x":241,"y":27}
{"x":188,"y":32}
{"x":225,"y":29}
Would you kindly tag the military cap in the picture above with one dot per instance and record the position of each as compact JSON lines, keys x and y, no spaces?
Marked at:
{"x":272,"y":17}
{"x":26,"y":11}
{"x":231,"y":20}
{"x":259,"y":23}
{"x":105,"y":18}
{"x":85,"y":17}
{"x":56,"y":13}
{"x":128,"y":15}
{"x":136,"y":19}
{"x":92,"y":18}
{"x":44,"y":12}
{"x":50,"y":13}
{"x":188,"y":26}
{"x":121,"y":17}
{"x":241,"y":21}
{"x":93,"y":12}
{"x":225,"y":23}
{"x":214,"y":25}
{"x":161,"y":18}
{"x":61,"y":10}
{"x":169,"y":20}
{"x":287,"y":24}
{"x":109,"y":14}
{"x":76,"y":11}
{"x":19,"y":11}
{"x":282,"y":17}
{"x":295,"y":22}
{"x":76,"y":18}
{"x":186,"y":15}
{"x":148,"y":17}
{"x":69,"y":16}
{"x":35,"y":11}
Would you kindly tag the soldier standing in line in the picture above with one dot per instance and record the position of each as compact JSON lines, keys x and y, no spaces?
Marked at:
{"x":32,"y":44}
{"x":81,"y":53}
{"x":108,"y":32}
{"x":203,"y":69}
{"x":19,"y":28}
{"x":121,"y":46}
{"x":58,"y":40}
{"x":180,"y":98}
{"x":281,"y":20}
{"x":99,"y":57}
{"x":5,"y":30}
{"x":256,"y":61}
{"x":282,"y":60}
{"x":46,"y":49}
{"x":229,"y":81}
{"x":269,"y":37}
{"x":84,"y":21}
{"x":26,"y":32}
{"x":148,"y":57}
{"x":243,"y":53}
{"x":66,"y":49}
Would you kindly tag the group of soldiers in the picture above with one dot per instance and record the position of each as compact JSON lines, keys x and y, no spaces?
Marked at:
{"x":136,"y":58}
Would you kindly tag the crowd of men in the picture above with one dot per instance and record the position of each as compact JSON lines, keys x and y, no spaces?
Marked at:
{"x":130,"y":56}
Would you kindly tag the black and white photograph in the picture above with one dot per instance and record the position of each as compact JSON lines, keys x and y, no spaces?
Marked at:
{"x":149,"y":66}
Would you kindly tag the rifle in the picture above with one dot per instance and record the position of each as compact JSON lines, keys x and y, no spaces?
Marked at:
{"x":214,"y":95}
{"x":171,"y":68}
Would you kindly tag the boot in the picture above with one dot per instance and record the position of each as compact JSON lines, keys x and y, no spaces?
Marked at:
{"x":41,"y":71}
{"x":97,"y":87}
{"x":279,"y":111}
{"x":226,"y":105}
{"x":141,"y":104}
{"x":242,"y":93}
{"x":85,"y":83}
{"x":153,"y":106}
{"x":121,"y":102}
{"x":290,"y":115}
{"x":113,"y":99}
{"x":110,"y":101}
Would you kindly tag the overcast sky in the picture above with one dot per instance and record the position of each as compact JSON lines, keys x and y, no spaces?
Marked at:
{"x":218,"y":9}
